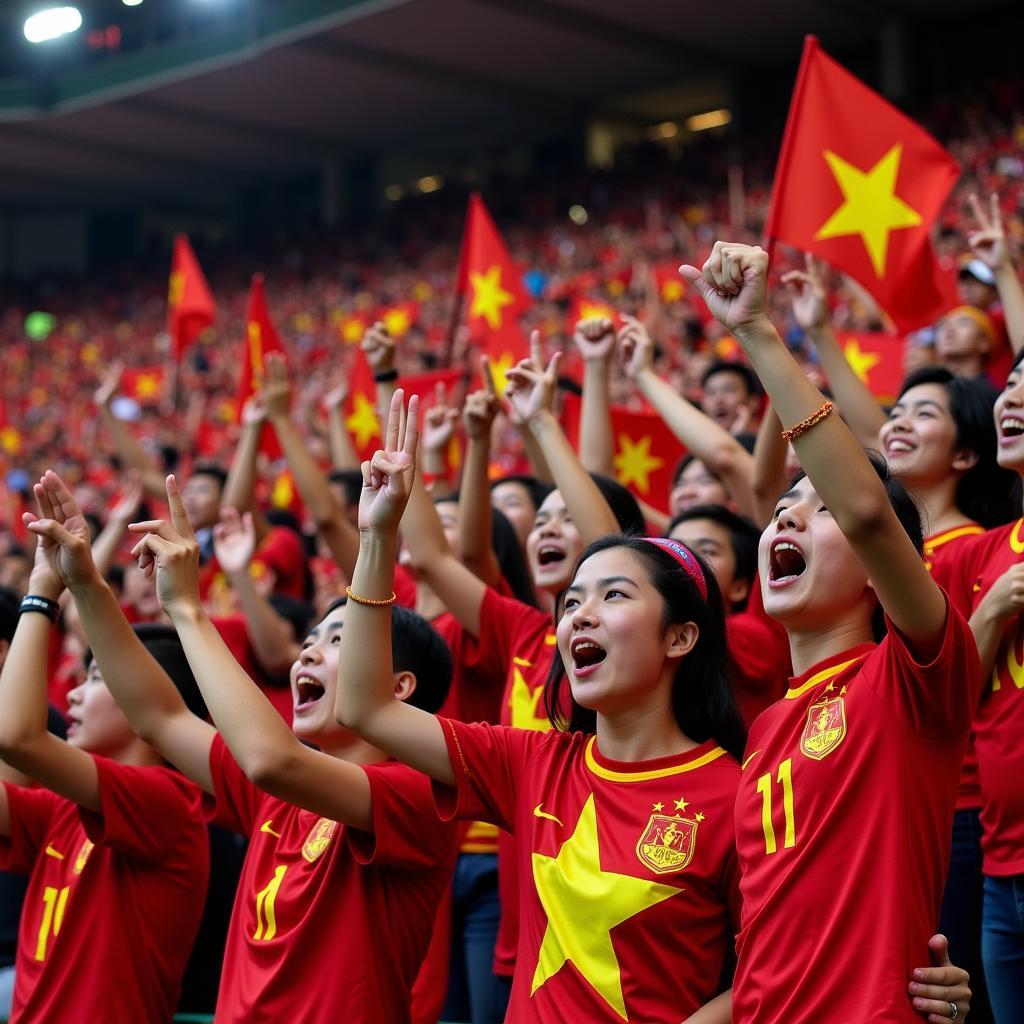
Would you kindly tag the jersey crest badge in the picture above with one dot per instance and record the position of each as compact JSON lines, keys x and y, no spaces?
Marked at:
{"x":319,"y":838}
{"x":83,"y":856}
{"x":667,"y":843}
{"x":825,"y":728}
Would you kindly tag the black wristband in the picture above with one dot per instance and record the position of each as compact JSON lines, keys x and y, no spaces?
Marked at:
{"x":385,"y":376}
{"x":43,"y":605}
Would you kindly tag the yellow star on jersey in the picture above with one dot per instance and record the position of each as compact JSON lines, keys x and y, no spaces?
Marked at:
{"x":583,"y":904}
{"x":635,"y":463}
{"x":860,"y":361}
{"x":871,"y":207}
{"x":489,"y":298}
{"x":681,"y":804}
{"x":362,"y":422}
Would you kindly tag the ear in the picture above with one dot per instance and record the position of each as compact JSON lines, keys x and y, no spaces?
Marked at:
{"x":738,"y":592}
{"x":682,"y":638}
{"x":405,"y":685}
{"x":964,"y":460}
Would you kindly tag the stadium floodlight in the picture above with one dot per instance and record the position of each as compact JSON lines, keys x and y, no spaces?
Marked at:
{"x":131,"y":3}
{"x":52,"y":23}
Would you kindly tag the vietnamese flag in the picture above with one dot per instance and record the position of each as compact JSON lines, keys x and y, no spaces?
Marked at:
{"x":190,"y":306}
{"x":646,"y":451}
{"x":877,"y":359}
{"x":582,"y":308}
{"x":146,"y":384}
{"x":261,"y":337}
{"x":497,"y":296}
{"x":671,"y":287}
{"x":352,"y":327}
{"x":859,"y":184}
{"x":398,"y":318}
{"x":360,"y":408}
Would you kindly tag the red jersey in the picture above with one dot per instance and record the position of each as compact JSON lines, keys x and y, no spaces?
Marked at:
{"x":330,"y":923}
{"x":843,"y":819}
{"x":519,"y":641}
{"x":405,"y":587}
{"x":942,"y":554}
{"x":999,"y":722}
{"x":235,"y":634}
{"x":114,"y":899}
{"x":281,"y":553}
{"x":629,"y":876}
{"x":759,"y":659}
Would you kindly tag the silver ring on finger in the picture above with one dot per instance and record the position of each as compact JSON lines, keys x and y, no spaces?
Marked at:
{"x":954,"y":1011}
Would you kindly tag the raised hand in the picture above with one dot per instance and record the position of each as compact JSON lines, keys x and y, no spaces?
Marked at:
{"x":128,"y":504}
{"x":531,"y":388}
{"x":254,"y":412}
{"x":733,"y":283}
{"x":234,"y":541}
{"x":635,"y":347}
{"x":988,"y":241}
{"x":172,"y":552}
{"x":389,"y":475}
{"x":595,"y":339}
{"x":63,"y":552}
{"x":439,"y":422}
{"x":334,"y":398}
{"x":104,"y":394}
{"x":481,"y":406}
{"x":808,"y":294}
{"x":379,"y":347}
{"x":277,"y":388}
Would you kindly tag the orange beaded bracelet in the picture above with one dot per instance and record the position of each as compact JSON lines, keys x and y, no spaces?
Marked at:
{"x":804,"y":425}
{"x":370,"y":602}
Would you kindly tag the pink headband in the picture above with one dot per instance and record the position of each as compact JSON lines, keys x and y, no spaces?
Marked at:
{"x":684,"y":556}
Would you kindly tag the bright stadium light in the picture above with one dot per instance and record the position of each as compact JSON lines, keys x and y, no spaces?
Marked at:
{"x":52,"y":23}
{"x":712,"y":119}
{"x":131,"y":3}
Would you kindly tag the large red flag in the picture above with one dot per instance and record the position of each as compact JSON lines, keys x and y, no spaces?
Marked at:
{"x":190,"y":306}
{"x":360,"y":408}
{"x":261,"y":337}
{"x":146,"y":384}
{"x":495,"y":290}
{"x":646,"y":451}
{"x":876,"y":358}
{"x":859,"y":183}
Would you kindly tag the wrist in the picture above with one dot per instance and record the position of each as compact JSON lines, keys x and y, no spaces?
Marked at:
{"x":91,"y":581}
{"x":184,"y":612}
{"x":541,"y":422}
{"x":755,"y":332}
{"x":46,"y":587}
{"x":1005,"y":270}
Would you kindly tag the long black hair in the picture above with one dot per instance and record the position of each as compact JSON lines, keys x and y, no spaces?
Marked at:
{"x":986,"y":493}
{"x":702,"y":697}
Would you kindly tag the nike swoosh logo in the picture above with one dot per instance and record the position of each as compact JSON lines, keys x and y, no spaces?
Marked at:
{"x":538,"y":813}
{"x":265,"y":827}
{"x":56,"y":854}
{"x":750,"y":757}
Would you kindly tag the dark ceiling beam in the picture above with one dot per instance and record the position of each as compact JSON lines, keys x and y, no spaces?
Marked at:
{"x":459,"y":80}
{"x":619,"y":34}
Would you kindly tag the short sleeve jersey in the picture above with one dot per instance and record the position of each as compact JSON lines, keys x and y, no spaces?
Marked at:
{"x":628,"y":890}
{"x":114,"y":899}
{"x":999,"y":723}
{"x":329,"y":923}
{"x":518,"y":641}
{"x":843,"y":819}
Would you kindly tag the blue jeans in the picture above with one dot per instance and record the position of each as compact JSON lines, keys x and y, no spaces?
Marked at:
{"x":1002,"y":946}
{"x":960,"y":919}
{"x":475,"y":992}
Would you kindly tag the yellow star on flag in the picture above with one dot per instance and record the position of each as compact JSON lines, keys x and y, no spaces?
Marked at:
{"x":635,"y":463}
{"x":352,"y":329}
{"x":861,"y":362}
{"x":595,"y":311}
{"x":397,"y":322}
{"x":489,"y":298}
{"x":146,"y":385}
{"x":583,"y":903}
{"x":871,"y":207}
{"x":499,"y":371}
{"x":672,"y":291}
{"x":10,"y":440}
{"x":362,"y":422}
{"x":175,"y":289}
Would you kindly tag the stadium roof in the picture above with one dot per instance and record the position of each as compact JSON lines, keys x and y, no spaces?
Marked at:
{"x":318,"y":78}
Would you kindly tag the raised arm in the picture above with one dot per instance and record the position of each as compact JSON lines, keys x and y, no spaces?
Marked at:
{"x":25,"y":743}
{"x":769,"y":476}
{"x":860,"y":410}
{"x":104,"y":547}
{"x":733,"y":284}
{"x":265,"y":748}
{"x":340,"y":536}
{"x":595,"y":340}
{"x":343,"y":453}
{"x":475,"y":515}
{"x":988,"y":243}
{"x":699,"y":434}
{"x":129,"y":451}
{"x":366,"y":701}
{"x":530,"y":391}
{"x":439,"y":423}
{"x":145,"y":692}
{"x":240,"y":486}
{"x":234,"y":542}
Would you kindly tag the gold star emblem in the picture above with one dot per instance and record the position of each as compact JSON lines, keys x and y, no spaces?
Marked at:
{"x":830,"y":687}
{"x":635,"y":463}
{"x":658,"y":806}
{"x":682,"y":804}
{"x":871,"y":207}
{"x":362,"y":422}
{"x":583,"y":903}
{"x":842,"y":692}
{"x":861,"y":362}
{"x":489,"y":298}
{"x":698,"y":817}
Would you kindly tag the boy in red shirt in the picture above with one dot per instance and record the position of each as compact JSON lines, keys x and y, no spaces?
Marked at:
{"x":113,"y":842}
{"x":346,"y":865}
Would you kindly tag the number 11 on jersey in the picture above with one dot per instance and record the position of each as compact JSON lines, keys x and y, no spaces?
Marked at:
{"x":784,"y":778}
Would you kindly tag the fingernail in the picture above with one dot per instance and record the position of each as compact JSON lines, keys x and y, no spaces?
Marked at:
{"x":919,"y":974}
{"x":914,"y":987}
